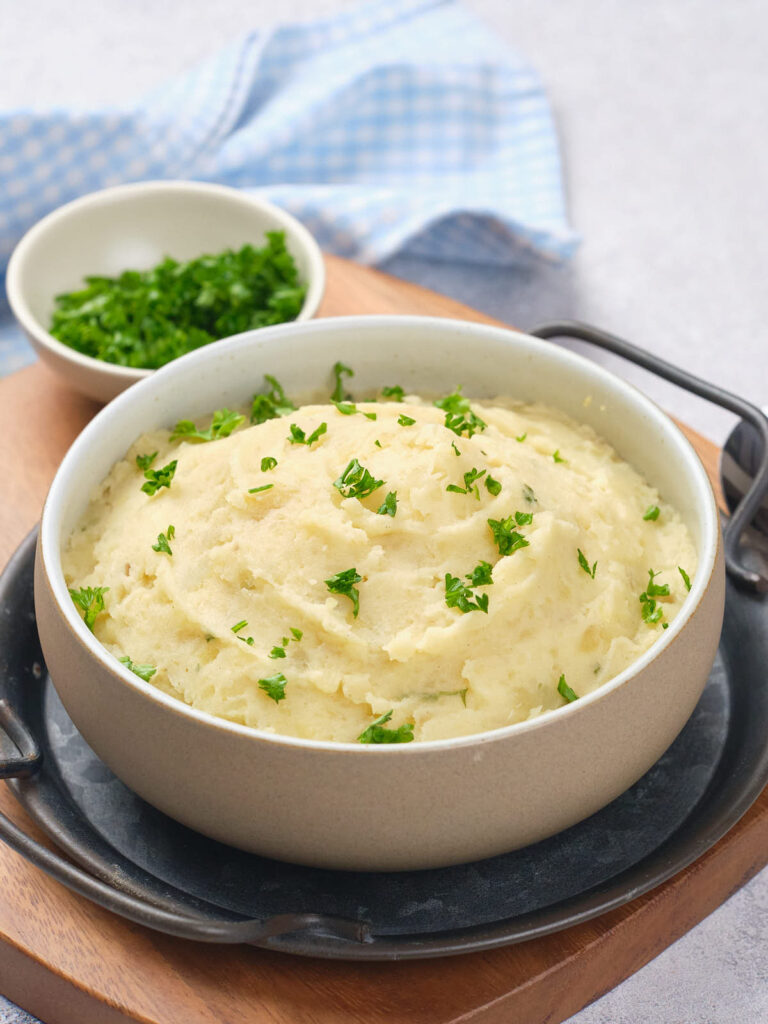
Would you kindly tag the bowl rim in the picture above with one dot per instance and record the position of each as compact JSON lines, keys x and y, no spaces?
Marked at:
{"x":710,"y":547}
{"x":15,"y":273}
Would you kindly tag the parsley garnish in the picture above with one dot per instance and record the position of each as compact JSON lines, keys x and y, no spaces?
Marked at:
{"x":557,"y":456}
{"x":277,"y":652}
{"x":686,"y":578}
{"x":470,"y":487}
{"x":459,"y":595}
{"x":258,"y":490}
{"x":268,"y":463}
{"x":585,"y":564}
{"x":389,"y":505}
{"x":529,"y":496}
{"x":239,"y":625}
{"x":146,"y":318}
{"x":163,"y":541}
{"x":272,"y":405}
{"x":458,"y":416}
{"x":652,"y":513}
{"x":274,"y":686}
{"x":91,"y":600}
{"x":344,"y":583}
{"x":505,"y":534}
{"x":339,"y":371}
{"x":651,"y":610}
{"x":299,"y":437}
{"x":223,"y":423}
{"x":356,"y":481}
{"x":377,"y":443}
{"x":377,"y":732}
{"x":455,"y":449}
{"x":521,"y":437}
{"x":297,"y":633}
{"x":405,"y":421}
{"x":145,"y":461}
{"x":157,"y":478}
{"x":565,"y":691}
{"x":349,"y":409}
{"x":144,"y":672}
{"x":395,"y":393}
{"x":492,"y":486}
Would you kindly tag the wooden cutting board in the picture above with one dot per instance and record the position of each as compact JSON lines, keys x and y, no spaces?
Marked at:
{"x":71,"y":963}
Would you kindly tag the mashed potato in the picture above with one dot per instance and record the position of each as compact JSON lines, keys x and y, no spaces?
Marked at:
{"x":462,"y":626}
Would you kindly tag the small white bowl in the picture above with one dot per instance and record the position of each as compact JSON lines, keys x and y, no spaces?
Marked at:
{"x":135,"y":227}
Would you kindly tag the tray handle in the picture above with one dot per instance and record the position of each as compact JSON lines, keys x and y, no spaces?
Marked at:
{"x":184,"y":924}
{"x":747,"y":508}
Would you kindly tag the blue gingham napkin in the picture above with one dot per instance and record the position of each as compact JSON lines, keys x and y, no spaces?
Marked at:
{"x":396,"y":126}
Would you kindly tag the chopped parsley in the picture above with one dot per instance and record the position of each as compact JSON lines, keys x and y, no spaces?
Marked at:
{"x":459,"y":595}
{"x":529,"y":496}
{"x":339,"y":371}
{"x":455,"y":449}
{"x":447,"y":693}
{"x":389,"y":505}
{"x":651,"y":611}
{"x":239,"y":625}
{"x":299,"y":437}
{"x":492,"y":486}
{"x":652,"y":513}
{"x":344,"y":583}
{"x":565,"y":691}
{"x":268,"y":463}
{"x":146,"y":318}
{"x":163,"y":541}
{"x":458,"y":415}
{"x":505,"y":533}
{"x":405,"y":421}
{"x":277,"y":652}
{"x":274,"y":686}
{"x":557,"y":456}
{"x":470,"y":487}
{"x":395,"y":393}
{"x":91,"y":601}
{"x":521,"y":437}
{"x":296,"y":633}
{"x":144,"y":672}
{"x":377,"y":732}
{"x":585,"y":564}
{"x":272,"y":405}
{"x":258,"y":490}
{"x":356,"y":481}
{"x":349,"y":409}
{"x":157,"y":478}
{"x":377,"y":443}
{"x":145,"y":461}
{"x":223,"y":423}
{"x":686,"y":578}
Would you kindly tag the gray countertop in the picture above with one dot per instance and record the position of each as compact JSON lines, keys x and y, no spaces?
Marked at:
{"x":662,"y":109}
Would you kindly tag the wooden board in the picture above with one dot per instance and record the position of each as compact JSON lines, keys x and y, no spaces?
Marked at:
{"x":70,"y":962}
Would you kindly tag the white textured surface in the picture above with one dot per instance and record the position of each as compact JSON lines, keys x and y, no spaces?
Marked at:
{"x":662,"y":110}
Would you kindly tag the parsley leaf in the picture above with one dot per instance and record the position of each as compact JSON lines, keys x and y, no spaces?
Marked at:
{"x":163,"y":541}
{"x":565,"y":691}
{"x":297,"y":633}
{"x":585,"y":564}
{"x":145,"y":461}
{"x":455,"y":449}
{"x":529,"y":496}
{"x":558,"y":457}
{"x":91,"y":600}
{"x":344,"y":583}
{"x":377,"y":443}
{"x":395,"y":393}
{"x":349,"y":409}
{"x":458,"y":594}
{"x":299,"y":437}
{"x":389,"y":505}
{"x":651,"y":611}
{"x":505,"y":534}
{"x":521,"y":437}
{"x":258,"y":490}
{"x":157,"y":478}
{"x":268,"y":463}
{"x":458,"y":416}
{"x":223,"y":423}
{"x":144,"y":672}
{"x":656,"y":589}
{"x":686,"y":578}
{"x":377,"y":732}
{"x":277,"y":652}
{"x":492,"y":486}
{"x":339,"y":371}
{"x":481,"y":574}
{"x":274,"y":686}
{"x":356,"y":481}
{"x":239,"y":625}
{"x":272,"y":405}
{"x":470,"y":487}
{"x":652,"y":513}
{"x":405,"y":421}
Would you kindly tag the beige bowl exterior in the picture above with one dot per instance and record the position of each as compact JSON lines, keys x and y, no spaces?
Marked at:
{"x":396,"y":807}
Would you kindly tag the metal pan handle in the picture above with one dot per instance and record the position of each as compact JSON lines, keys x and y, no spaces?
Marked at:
{"x":747,"y":508}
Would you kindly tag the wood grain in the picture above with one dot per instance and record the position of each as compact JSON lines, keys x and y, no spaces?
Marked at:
{"x":70,"y":962}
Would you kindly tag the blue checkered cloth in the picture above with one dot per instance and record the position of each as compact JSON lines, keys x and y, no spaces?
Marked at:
{"x":399,"y":126}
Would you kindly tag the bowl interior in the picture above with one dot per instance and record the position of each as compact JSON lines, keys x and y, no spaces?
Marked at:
{"x":135,"y":227}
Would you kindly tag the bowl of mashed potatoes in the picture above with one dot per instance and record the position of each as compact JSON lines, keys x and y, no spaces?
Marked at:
{"x":380,"y":593}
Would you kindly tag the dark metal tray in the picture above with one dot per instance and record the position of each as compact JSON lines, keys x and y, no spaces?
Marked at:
{"x":138,"y":863}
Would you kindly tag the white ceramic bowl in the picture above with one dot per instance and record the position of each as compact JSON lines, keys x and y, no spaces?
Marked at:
{"x":135,"y":227}
{"x":344,"y":805}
